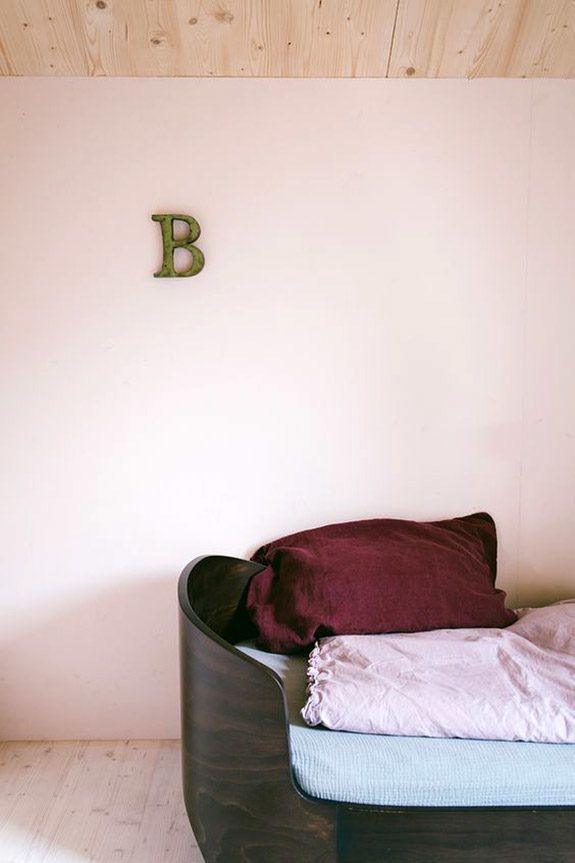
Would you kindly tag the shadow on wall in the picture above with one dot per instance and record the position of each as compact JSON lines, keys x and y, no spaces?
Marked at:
{"x":547,"y":592}
{"x":102,"y":668}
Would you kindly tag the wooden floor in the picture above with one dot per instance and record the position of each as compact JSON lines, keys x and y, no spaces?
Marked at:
{"x":100,"y":801}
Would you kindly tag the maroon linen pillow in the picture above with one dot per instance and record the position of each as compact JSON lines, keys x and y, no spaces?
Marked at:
{"x":374,"y":576}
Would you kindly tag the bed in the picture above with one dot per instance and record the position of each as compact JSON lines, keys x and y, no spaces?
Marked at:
{"x":259,"y":786}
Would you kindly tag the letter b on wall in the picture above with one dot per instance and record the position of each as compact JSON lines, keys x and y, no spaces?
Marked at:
{"x":170,"y":244}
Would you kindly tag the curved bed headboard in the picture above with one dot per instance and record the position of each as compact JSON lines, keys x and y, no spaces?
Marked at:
{"x":242,"y":799}
{"x":212,"y":590}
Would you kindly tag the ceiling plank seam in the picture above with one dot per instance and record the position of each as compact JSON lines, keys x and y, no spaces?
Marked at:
{"x":391,"y":44}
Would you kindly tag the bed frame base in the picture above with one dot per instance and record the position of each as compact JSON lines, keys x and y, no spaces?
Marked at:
{"x":471,"y":835}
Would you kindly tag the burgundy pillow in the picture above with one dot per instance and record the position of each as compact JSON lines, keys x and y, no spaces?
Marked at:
{"x":380,"y":575}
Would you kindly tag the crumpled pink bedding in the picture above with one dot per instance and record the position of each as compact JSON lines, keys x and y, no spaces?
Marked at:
{"x":516,"y":683}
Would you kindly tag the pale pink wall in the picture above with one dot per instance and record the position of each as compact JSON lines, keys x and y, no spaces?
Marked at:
{"x":383,"y":327}
{"x":547,"y":526}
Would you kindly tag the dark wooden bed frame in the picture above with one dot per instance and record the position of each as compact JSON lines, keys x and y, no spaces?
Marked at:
{"x":242,"y":799}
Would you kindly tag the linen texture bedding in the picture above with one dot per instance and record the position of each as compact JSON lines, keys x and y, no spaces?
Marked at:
{"x":511,"y":684}
{"x":374,"y":576}
{"x":383,"y":770}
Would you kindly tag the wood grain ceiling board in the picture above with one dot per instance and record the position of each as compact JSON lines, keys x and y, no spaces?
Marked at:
{"x":484,"y":38}
{"x":275,"y":38}
{"x":289,"y":38}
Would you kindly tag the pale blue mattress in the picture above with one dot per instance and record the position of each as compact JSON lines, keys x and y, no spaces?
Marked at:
{"x":417,"y":771}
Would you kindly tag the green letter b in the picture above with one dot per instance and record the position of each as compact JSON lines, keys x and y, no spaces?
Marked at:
{"x":170,"y":244}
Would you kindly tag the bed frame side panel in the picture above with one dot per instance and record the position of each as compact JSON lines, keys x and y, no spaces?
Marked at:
{"x":470,"y":835}
{"x":238,"y":789}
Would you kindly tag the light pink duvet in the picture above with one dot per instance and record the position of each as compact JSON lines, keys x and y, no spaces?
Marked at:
{"x":516,"y":683}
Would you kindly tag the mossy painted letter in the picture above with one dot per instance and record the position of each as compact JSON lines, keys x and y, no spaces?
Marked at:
{"x":170,"y":243}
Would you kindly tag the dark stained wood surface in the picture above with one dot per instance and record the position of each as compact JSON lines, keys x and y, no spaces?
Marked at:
{"x":238,"y":788}
{"x":471,"y":835}
{"x":216,"y":594}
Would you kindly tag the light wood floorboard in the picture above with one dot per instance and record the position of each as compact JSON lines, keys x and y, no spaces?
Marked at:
{"x":106,"y":802}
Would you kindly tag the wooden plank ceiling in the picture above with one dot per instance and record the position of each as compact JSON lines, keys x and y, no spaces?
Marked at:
{"x":289,"y":38}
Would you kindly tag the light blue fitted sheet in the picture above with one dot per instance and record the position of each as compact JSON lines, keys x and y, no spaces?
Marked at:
{"x":417,"y":771}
